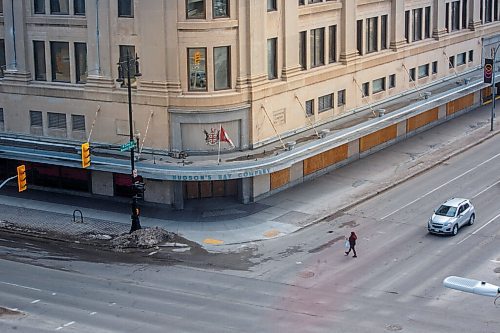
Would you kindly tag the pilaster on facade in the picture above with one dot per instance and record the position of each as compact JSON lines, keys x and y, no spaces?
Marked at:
{"x":290,"y":72}
{"x":348,"y":57}
{"x":475,"y":14}
{"x":250,"y":81}
{"x":439,"y":20}
{"x":398,"y":39}
{"x":14,"y":77}
{"x":348,"y":50}
{"x":99,"y":83}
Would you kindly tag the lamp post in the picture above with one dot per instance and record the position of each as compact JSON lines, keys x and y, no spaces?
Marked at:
{"x":493,"y":88}
{"x":124,"y":69}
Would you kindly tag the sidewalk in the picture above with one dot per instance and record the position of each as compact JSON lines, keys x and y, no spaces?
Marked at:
{"x":211,"y":223}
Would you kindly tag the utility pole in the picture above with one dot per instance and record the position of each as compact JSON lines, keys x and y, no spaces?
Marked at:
{"x":136,"y":187}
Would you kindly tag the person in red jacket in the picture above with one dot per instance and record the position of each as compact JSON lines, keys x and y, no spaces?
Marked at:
{"x":352,"y":244}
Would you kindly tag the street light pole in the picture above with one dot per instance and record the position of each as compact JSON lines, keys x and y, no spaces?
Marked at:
{"x":136,"y":224}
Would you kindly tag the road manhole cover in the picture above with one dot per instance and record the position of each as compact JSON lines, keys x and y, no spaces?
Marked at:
{"x":9,"y":312}
{"x":393,"y":328}
{"x":306,"y":274}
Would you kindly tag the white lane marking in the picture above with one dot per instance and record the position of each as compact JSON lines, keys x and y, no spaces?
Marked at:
{"x":59,"y":328}
{"x":486,"y":189}
{"x":35,"y":301}
{"x":444,"y":184}
{"x":20,"y":286}
{"x":92,"y":313}
{"x":69,"y":324}
{"x":475,"y":232}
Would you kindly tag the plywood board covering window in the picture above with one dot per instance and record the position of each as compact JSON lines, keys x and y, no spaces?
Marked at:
{"x":374,"y":139}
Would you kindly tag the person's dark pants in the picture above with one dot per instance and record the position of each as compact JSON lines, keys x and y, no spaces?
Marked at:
{"x":351,"y":247}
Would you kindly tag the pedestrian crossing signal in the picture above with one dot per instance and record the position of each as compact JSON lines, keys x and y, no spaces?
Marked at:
{"x":85,"y":155}
{"x":21,"y":178}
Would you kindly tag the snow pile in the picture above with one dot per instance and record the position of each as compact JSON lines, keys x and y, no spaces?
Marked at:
{"x":142,"y":238}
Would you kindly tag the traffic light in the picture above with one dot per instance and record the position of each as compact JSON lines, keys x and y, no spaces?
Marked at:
{"x":85,"y":155}
{"x":21,"y":178}
{"x":197,"y":57}
{"x":138,"y":189}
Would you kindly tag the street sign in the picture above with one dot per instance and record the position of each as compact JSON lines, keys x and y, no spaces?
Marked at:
{"x":129,"y":145}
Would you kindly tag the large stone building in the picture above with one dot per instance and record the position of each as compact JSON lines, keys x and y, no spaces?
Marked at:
{"x":264,"y":72}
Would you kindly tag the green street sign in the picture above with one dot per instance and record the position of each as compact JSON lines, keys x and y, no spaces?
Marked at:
{"x":129,"y":145}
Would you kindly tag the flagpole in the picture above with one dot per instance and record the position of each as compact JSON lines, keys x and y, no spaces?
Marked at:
{"x":218,"y":152}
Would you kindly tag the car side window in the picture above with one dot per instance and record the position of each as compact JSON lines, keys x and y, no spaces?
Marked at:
{"x":466,"y":206}
{"x":461,"y":210}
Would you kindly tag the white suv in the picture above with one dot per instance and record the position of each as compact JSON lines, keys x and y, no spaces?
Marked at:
{"x":451,"y":216}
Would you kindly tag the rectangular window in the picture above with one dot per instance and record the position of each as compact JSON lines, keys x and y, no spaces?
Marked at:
{"x":81,"y":62}
{"x":39,"y":6}
{"x":127,"y":52}
{"x":412,"y":74}
{"x":317,"y":44}
{"x":461,"y":59}
{"x":325,"y":103}
{"x":455,"y":15}
{"x":36,"y":119}
{"x":464,"y":13}
{"x":366,"y":89}
{"x":2,"y":57}
{"x":272,"y":58}
{"x":222,"y":67}
{"x":423,"y":71}
{"x":56,"y":120}
{"x":302,"y":2}
{"x":341,"y":97}
{"x":1,"y":119}
{"x":220,"y":8}
{"x":427,"y":22}
{"x":417,"y":24}
{"x":77,"y":122}
{"x":488,"y":11}
{"x":59,"y":58}
{"x":302,"y":50}
{"x":197,"y":69}
{"x":309,"y":107}
{"x":359,"y":36}
{"x":471,"y":56}
{"x":59,"y":7}
{"x":332,"y":41}
{"x":434,"y":67}
{"x":79,"y":7}
{"x":271,"y":5}
{"x":383,"y":32}
{"x":125,"y":8}
{"x":1,"y":12}
{"x":451,"y":62}
{"x":392,"y":81}
{"x":495,"y":10}
{"x":447,"y":17}
{"x":372,"y":34}
{"x":39,"y":59}
{"x":378,"y":85}
{"x":407,"y":26}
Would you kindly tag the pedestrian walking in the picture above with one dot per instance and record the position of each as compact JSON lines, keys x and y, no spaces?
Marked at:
{"x":352,"y":244}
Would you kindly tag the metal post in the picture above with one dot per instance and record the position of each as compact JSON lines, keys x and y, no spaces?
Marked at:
{"x":136,"y":224}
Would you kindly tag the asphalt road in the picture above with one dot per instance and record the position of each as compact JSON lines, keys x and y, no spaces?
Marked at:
{"x":299,"y":283}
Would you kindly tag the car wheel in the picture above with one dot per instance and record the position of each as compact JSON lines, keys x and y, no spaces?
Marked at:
{"x":455,"y":230}
{"x":471,"y":220}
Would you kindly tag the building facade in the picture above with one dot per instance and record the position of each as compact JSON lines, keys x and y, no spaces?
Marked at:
{"x":261,"y":71}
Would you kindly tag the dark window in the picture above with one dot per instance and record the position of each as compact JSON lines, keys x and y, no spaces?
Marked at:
{"x":36,"y":119}
{"x":455,"y":15}
{"x":77,"y":122}
{"x":39,"y":59}
{"x":366,"y":89}
{"x":378,"y":85}
{"x":271,"y":5}
{"x":451,"y":62}
{"x":1,"y":116}
{"x":197,"y":69}
{"x":341,"y":97}
{"x":59,"y":58}
{"x":488,"y":11}
{"x":427,"y":22}
{"x":1,"y":11}
{"x":220,"y":8}
{"x":125,"y":8}
{"x":59,"y":7}
{"x":461,"y":59}
{"x":81,"y":62}
{"x":359,"y":36}
{"x":423,"y":71}
{"x":2,"y":57}
{"x":332,"y":40}
{"x":407,"y":26}
{"x":39,"y":7}
{"x":302,"y":49}
{"x":464,"y":13}
{"x":79,"y":7}
{"x":471,"y":56}
{"x":302,"y":2}
{"x":272,"y":58}
{"x":392,"y":81}
{"x":495,"y":10}
{"x":383,"y":32}
{"x":434,"y":67}
{"x":447,"y":18}
{"x":412,"y":74}
{"x":56,"y":120}
{"x":417,"y":24}
{"x":222,"y":67}
{"x":372,"y":34}
{"x":317,"y":45}
{"x":325,"y":103}
{"x":309,"y":107}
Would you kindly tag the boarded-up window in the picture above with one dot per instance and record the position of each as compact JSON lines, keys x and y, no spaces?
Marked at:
{"x":421,"y":120}
{"x":459,"y":104}
{"x":280,"y":178}
{"x":374,"y":139}
{"x":325,"y":159}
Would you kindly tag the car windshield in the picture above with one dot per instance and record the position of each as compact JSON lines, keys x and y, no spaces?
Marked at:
{"x":446,"y":211}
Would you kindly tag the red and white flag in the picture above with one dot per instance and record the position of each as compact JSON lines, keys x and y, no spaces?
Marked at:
{"x":224,"y":137}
